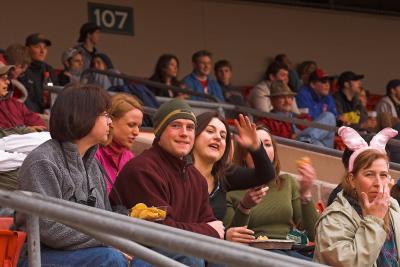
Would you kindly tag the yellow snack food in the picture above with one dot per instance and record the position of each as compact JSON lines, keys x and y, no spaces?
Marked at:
{"x":141,"y":211}
{"x":262,"y":237}
{"x":303,"y":161}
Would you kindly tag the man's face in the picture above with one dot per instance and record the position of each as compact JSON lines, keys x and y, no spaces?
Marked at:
{"x":178,"y":137}
{"x":396,"y":92}
{"x":76,"y":62}
{"x":354,"y":86}
{"x":224,"y":75}
{"x":282,"y":103}
{"x":281,"y":75}
{"x":321,"y":87}
{"x":202,"y":66}
{"x":94,"y":37}
{"x":38,"y":52}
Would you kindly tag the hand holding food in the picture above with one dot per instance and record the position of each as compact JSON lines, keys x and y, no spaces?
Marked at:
{"x":308,"y":176}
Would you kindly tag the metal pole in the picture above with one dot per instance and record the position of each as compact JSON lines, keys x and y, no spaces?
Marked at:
{"x":164,"y":237}
{"x":32,"y":228}
{"x":131,"y":248}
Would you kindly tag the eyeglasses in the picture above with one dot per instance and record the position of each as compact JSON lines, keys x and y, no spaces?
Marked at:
{"x":4,"y":77}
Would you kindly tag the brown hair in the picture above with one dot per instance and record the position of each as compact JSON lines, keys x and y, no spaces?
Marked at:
{"x":75,"y":111}
{"x":17,"y":54}
{"x":241,"y":154}
{"x":203,"y":120}
{"x":363,"y":161}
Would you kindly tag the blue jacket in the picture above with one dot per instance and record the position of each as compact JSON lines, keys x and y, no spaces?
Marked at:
{"x":194,"y":84}
{"x":307,"y":98}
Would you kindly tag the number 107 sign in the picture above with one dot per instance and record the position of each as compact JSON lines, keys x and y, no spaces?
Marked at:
{"x":112,"y":19}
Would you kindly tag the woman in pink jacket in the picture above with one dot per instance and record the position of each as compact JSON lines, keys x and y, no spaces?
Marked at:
{"x":127,"y":114}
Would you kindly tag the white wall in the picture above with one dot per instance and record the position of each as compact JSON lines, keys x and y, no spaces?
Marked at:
{"x":248,"y":34}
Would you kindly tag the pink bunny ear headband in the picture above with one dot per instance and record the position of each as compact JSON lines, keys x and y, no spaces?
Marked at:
{"x":357,"y":144}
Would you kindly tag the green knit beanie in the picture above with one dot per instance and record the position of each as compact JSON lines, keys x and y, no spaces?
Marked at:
{"x":170,"y":111}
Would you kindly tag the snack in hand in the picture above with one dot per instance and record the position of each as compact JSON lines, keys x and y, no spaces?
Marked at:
{"x":141,"y":211}
{"x":303,"y":161}
{"x":262,"y":237}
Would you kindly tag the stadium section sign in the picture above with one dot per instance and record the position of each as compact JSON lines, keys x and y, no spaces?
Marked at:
{"x":112,"y":19}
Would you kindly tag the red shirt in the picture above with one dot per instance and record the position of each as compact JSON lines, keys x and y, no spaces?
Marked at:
{"x":14,"y":113}
{"x":204,"y":85}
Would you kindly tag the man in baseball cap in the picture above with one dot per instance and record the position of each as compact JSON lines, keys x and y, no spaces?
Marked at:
{"x":347,"y":102}
{"x":38,"y":72}
{"x":315,"y":96}
{"x":390,"y":103}
{"x":164,"y":175}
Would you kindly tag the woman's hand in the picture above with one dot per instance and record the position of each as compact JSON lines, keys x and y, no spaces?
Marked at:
{"x":379,"y":206}
{"x":247,"y":133}
{"x":307,"y":179}
{"x":240,"y":235}
{"x":253,"y":197}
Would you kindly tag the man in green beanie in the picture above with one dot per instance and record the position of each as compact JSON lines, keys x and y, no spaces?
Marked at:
{"x":165,"y":176}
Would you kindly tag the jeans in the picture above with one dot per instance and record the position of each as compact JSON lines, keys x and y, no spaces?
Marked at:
{"x":189,"y":261}
{"x":318,"y":136}
{"x":87,"y":257}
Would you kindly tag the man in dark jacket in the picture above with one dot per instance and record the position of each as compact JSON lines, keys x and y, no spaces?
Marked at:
{"x":38,"y":73}
{"x":165,"y":176}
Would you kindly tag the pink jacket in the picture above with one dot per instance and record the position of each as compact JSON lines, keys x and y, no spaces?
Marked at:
{"x":112,"y":162}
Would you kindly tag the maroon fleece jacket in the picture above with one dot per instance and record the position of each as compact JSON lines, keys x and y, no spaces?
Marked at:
{"x":14,"y":113}
{"x":157,"y":178}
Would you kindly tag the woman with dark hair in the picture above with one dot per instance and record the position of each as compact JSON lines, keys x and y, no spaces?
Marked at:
{"x":166,"y":72}
{"x":361,"y":226}
{"x":65,"y":167}
{"x":127,"y":114}
{"x":288,"y":204}
{"x":211,"y":155}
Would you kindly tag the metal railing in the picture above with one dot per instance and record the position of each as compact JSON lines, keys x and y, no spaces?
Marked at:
{"x":147,"y":82}
{"x":122,"y":232}
{"x":258,"y":113}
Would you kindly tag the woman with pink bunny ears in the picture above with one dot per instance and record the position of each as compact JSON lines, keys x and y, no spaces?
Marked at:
{"x":361,"y":227}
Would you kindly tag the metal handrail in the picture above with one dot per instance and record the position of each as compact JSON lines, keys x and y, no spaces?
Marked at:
{"x":104,"y":224}
{"x":147,"y":82}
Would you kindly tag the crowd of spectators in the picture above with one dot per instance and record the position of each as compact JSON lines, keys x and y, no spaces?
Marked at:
{"x":212,"y":181}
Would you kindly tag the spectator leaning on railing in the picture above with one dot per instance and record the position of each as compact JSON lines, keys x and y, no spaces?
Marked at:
{"x":200,"y":80}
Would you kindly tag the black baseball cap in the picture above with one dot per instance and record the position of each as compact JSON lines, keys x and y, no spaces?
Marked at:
{"x":349,"y":76}
{"x":36,"y":38}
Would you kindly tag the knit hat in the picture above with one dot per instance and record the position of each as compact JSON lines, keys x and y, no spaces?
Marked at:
{"x":170,"y":111}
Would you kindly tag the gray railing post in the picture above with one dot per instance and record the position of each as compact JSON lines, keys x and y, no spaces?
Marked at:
{"x":32,"y":228}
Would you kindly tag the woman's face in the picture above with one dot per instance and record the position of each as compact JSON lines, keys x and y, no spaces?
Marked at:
{"x":369,"y":180}
{"x":210,"y":144}
{"x":267,"y":143}
{"x":126,"y":128}
{"x":171,"y":70}
{"x":101,"y":129}
{"x":99,"y":64}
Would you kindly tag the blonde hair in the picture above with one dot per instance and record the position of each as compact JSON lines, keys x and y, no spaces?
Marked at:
{"x":121,"y":103}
